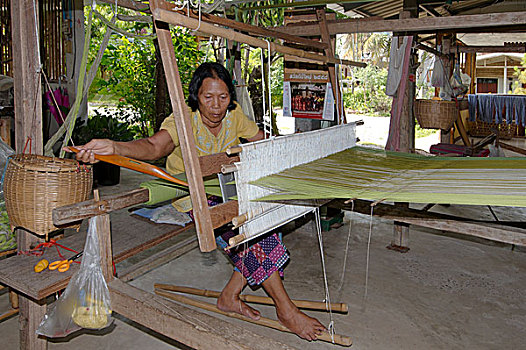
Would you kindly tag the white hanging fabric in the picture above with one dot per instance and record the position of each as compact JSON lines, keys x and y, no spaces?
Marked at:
{"x":396,"y":57}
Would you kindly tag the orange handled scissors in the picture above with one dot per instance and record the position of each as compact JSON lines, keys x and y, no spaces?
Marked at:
{"x":63,"y":265}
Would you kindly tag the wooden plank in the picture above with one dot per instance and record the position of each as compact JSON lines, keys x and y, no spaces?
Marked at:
{"x":254,"y":30}
{"x":495,"y":232}
{"x":211,"y":164}
{"x":487,"y":49}
{"x":158,"y":259}
{"x":192,"y":328}
{"x":223,"y":213}
{"x":17,"y":271}
{"x":106,"y":254}
{"x":326,"y":38}
{"x":512,"y":148}
{"x":87,"y":209}
{"x":205,"y":231}
{"x":411,"y":25}
{"x":192,"y":23}
{"x":489,"y":230}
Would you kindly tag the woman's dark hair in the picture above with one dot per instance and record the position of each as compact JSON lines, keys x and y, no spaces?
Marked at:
{"x":210,"y":70}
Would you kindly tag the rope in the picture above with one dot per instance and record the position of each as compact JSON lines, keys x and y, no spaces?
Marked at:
{"x":325,"y":283}
{"x":344,"y":265}
{"x":368,"y":254}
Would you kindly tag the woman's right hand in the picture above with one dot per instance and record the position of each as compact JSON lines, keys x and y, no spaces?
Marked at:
{"x":87,"y":152}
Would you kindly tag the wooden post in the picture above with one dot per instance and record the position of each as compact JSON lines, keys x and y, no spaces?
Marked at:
{"x":104,"y":236}
{"x":28,"y":128}
{"x":407,"y":118}
{"x":26,"y":71}
{"x":203,"y":221}
{"x":326,"y":38}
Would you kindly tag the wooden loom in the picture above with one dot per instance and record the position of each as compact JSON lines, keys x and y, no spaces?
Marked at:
{"x":164,"y":14}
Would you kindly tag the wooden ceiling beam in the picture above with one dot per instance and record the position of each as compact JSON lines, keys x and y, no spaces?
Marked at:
{"x":176,"y":18}
{"x":488,"y":49}
{"x":414,"y":25}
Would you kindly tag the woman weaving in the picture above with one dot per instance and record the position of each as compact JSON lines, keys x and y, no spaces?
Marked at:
{"x":218,"y":122}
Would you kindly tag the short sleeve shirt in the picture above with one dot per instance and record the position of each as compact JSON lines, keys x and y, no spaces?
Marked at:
{"x":234,"y":125}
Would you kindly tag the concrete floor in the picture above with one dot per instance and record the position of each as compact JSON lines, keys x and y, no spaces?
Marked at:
{"x":445,"y":293}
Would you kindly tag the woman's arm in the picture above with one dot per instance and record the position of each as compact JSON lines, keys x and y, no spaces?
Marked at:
{"x":151,"y":148}
{"x":259,"y":136}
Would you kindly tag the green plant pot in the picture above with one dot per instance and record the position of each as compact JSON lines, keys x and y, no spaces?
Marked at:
{"x":106,"y":174}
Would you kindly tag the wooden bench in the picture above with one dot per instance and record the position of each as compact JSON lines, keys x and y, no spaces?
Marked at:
{"x":163,"y":316}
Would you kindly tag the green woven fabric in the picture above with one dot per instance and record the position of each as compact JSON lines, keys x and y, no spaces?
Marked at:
{"x":373,"y":174}
{"x":162,"y":190}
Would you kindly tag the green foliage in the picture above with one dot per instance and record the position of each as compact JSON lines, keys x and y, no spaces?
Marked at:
{"x":368,"y":92}
{"x":521,"y":76}
{"x":104,"y":125}
{"x":128,"y":68}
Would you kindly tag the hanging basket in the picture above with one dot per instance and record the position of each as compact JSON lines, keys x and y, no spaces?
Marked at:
{"x":434,"y":114}
{"x":34,"y":185}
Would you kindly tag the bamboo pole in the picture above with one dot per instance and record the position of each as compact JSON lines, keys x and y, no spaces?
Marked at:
{"x":210,"y":29}
{"x":262,"y":321}
{"x":256,"y":299}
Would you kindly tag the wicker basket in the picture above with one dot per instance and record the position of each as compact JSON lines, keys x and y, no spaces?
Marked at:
{"x":479,"y":128}
{"x":434,"y":114}
{"x":35,"y":185}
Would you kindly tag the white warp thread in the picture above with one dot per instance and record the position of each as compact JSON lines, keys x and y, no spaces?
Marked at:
{"x":267,"y":157}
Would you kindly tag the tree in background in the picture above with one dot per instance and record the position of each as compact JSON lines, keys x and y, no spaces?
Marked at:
{"x":130,"y":69}
{"x":367,"y":85}
{"x":519,"y":87}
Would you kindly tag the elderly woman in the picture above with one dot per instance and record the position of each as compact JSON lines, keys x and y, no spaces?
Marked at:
{"x":218,"y":122}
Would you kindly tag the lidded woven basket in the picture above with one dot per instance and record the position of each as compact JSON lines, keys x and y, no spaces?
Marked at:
{"x":34,"y":185}
{"x":435,"y":114}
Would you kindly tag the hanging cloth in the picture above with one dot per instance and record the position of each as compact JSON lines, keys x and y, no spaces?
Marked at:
{"x":393,"y":141}
{"x":396,"y":57}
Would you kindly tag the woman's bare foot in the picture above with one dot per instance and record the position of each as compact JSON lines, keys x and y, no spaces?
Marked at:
{"x":232,"y":303}
{"x":299,"y":323}
{"x":229,"y":300}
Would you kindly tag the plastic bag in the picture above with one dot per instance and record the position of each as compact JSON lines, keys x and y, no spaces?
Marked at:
{"x":86,"y":301}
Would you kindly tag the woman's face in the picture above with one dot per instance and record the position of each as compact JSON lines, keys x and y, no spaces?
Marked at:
{"x":213,"y":99}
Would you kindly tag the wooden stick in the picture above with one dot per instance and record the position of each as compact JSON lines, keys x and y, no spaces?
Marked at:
{"x":263,"y":321}
{"x":239,"y":220}
{"x":512,"y":148}
{"x":204,"y":27}
{"x":136,"y":165}
{"x":8,"y":314}
{"x":228,"y":168}
{"x":302,"y":304}
{"x":233,"y":241}
{"x":234,"y":150}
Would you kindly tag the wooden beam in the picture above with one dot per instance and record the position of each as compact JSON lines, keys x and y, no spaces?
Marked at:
{"x":260,"y":31}
{"x":203,"y":221}
{"x":413,"y":25}
{"x":192,"y":23}
{"x":211,"y":164}
{"x":26,"y":72}
{"x":512,"y":148}
{"x":224,"y":213}
{"x":158,"y":259}
{"x":329,"y":52}
{"x":87,"y":209}
{"x":487,"y":230}
{"x":129,"y":4}
{"x":192,"y":328}
{"x":433,"y":51}
{"x":488,"y":49}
